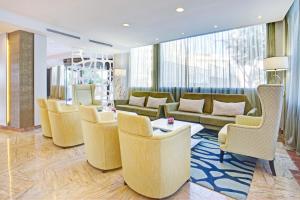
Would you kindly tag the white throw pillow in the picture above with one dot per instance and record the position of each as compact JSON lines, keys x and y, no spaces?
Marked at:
{"x":137,"y":101}
{"x":155,"y":102}
{"x":190,"y":105}
{"x":228,"y":109}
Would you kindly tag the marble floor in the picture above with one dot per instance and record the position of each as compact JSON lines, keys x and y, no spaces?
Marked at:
{"x":32,"y":167}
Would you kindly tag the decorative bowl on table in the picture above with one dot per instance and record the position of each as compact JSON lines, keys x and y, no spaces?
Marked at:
{"x":170,"y":120}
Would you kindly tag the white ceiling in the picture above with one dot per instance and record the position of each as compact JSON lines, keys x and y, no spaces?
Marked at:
{"x":149,"y":19}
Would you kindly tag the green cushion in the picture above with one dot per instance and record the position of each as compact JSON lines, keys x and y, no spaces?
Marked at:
{"x":152,"y":112}
{"x":167,"y":95}
{"x":207,"y":108}
{"x":185,"y":116}
{"x":216,"y":120}
{"x":233,"y":98}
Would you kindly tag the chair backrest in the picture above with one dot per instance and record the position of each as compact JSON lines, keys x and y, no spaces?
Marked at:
{"x":271,"y":97}
{"x":135,"y":125}
{"x":83,"y":94}
{"x":42,"y":103}
{"x":88,"y":113}
{"x":53,"y":105}
{"x":209,"y":97}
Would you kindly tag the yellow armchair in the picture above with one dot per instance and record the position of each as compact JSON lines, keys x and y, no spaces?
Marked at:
{"x":84,"y":95}
{"x":46,"y":128}
{"x":101,"y":138}
{"x":256,"y":136}
{"x":154,"y":165}
{"x":65,"y":124}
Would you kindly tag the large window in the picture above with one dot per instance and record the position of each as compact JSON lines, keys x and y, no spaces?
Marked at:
{"x":141,"y":67}
{"x":230,"y":59}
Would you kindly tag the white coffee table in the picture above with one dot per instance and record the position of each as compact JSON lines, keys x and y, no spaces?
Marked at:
{"x":162,"y":124}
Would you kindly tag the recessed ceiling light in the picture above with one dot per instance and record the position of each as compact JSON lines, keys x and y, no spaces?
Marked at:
{"x":156,"y":39}
{"x":259,"y":17}
{"x":182,"y":33}
{"x":179,"y":10}
{"x":126,"y":25}
{"x":215,"y":26}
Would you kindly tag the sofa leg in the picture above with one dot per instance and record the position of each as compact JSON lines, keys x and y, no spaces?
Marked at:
{"x":221,"y":156}
{"x":271,"y":163}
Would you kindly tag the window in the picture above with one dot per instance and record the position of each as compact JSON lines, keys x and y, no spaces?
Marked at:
{"x":229,"y":59}
{"x":141,"y":67}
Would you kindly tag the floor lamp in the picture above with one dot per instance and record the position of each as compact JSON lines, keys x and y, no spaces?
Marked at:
{"x":277,"y":64}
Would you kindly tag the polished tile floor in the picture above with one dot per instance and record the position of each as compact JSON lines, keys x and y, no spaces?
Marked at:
{"x":31,"y":167}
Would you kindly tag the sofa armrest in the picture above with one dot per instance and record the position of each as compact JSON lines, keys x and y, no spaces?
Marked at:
{"x":248,"y":120}
{"x":169,"y":107}
{"x":121,"y":102}
{"x":161,"y":111}
{"x":252,"y":112}
{"x":97,"y":102}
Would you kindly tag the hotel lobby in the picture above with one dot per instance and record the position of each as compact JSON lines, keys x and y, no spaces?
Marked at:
{"x":150,"y":99}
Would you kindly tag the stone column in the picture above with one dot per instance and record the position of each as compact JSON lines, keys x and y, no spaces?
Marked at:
{"x":21,"y":59}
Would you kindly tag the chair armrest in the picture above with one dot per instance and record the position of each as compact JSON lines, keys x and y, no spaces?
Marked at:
{"x":169,"y":107}
{"x":165,"y":135}
{"x":252,"y":112}
{"x":121,"y":102}
{"x":106,"y":116}
{"x":248,"y":120}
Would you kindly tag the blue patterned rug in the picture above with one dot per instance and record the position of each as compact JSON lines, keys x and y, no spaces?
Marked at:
{"x":232,"y":177}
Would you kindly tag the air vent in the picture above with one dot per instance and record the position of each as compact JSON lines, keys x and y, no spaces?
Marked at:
{"x":62,"y":33}
{"x":101,"y":43}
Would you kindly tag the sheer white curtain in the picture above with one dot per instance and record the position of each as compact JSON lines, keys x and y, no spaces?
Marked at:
{"x":230,"y":59}
{"x":292,"y":129}
{"x":141,"y":67}
{"x":226,"y":62}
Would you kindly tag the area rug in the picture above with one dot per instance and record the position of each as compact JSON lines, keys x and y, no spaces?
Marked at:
{"x":232,"y":177}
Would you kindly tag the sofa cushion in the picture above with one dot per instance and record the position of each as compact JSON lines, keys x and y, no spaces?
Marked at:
{"x":222,"y":135}
{"x":185,"y":116}
{"x":233,"y":98}
{"x":152,"y":112}
{"x":207,"y":108}
{"x":155,"y":102}
{"x":216,"y":120}
{"x":167,"y":95}
{"x":137,"y":101}
{"x":191,"y":105}
{"x":228,"y":108}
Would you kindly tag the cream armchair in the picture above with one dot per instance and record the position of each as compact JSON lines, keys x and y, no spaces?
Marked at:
{"x":65,"y":124}
{"x":256,"y":136}
{"x":155,"y":166}
{"x":46,"y":128}
{"x":101,"y":138}
{"x":84,"y":95}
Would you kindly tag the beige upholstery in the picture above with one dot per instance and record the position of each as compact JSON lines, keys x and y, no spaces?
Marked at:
{"x":46,"y":128}
{"x":65,"y":124}
{"x":256,"y":136}
{"x":101,"y":139}
{"x":84,"y":95}
{"x":155,"y":166}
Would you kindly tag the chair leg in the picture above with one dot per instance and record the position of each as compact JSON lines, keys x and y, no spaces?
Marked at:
{"x":125,"y":183}
{"x":221,"y":156}
{"x":271,"y":163}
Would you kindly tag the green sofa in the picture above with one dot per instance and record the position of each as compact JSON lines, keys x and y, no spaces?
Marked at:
{"x":206,"y":119}
{"x":152,"y":113}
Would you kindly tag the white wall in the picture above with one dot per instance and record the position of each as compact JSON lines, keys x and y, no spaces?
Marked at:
{"x":40,"y":73}
{"x":3,"y":56}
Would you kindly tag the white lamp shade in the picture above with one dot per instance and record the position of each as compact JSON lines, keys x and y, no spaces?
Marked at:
{"x":276,"y":63}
